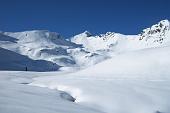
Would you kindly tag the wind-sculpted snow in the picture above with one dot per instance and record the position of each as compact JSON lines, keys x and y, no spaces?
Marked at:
{"x":132,"y":82}
{"x":16,"y":97}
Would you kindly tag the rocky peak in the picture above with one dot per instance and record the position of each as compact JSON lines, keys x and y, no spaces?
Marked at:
{"x":156,"y":33}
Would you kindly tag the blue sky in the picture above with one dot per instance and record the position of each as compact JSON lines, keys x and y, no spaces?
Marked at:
{"x":70,"y":17}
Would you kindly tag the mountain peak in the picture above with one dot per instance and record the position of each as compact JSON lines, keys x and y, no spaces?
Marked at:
{"x":86,"y":34}
{"x":157,"y":32}
{"x":164,"y":22}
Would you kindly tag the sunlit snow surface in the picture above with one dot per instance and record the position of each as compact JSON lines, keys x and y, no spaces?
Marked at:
{"x":133,"y":82}
{"x":132,"y":74}
{"x":141,"y":85}
{"x":18,"y":97}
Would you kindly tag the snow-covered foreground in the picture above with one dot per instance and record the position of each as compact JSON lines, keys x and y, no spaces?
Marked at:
{"x":115,"y":95}
{"x":93,"y":94}
{"x":18,"y":97}
{"x":133,"y":82}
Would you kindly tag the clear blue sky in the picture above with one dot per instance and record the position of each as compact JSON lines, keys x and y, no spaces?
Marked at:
{"x":70,"y":17}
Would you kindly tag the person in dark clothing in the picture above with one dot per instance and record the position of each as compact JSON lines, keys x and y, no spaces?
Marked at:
{"x":26,"y":69}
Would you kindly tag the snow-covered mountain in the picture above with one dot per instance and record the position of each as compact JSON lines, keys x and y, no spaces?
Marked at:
{"x":158,"y":33}
{"x":41,"y":45}
{"x":49,"y":46}
{"x":84,"y":49}
{"x":155,"y":36}
{"x":134,"y":80}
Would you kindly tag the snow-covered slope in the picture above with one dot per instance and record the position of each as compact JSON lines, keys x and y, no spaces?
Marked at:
{"x":49,"y":46}
{"x":42,"y":45}
{"x":17,"y":97}
{"x":12,"y":61}
{"x":132,"y":82}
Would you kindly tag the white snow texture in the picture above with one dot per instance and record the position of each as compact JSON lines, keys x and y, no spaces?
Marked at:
{"x":109,"y":73}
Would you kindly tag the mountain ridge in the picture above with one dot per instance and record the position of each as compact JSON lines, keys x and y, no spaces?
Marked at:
{"x":84,"y":49}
